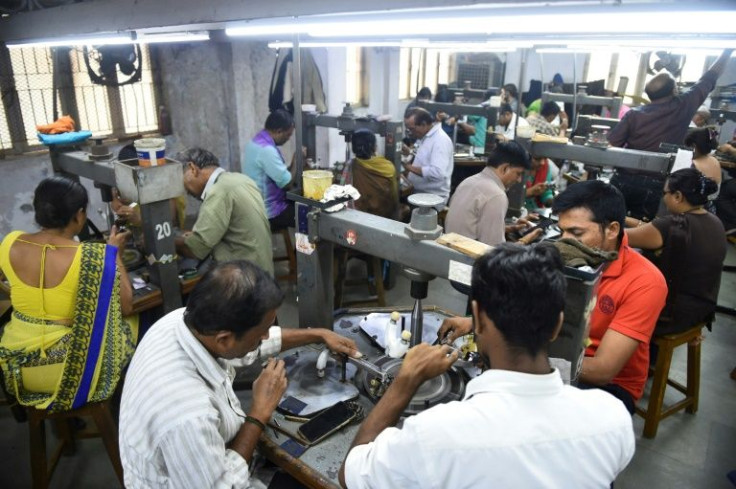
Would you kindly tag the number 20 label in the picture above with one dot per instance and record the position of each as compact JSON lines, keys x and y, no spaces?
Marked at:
{"x":163,"y":230}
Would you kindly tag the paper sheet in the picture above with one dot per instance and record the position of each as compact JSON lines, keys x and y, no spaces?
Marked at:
{"x":684,"y":159}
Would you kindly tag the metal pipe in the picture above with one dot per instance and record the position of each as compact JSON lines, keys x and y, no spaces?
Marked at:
{"x":417,"y":324}
{"x":298,"y":136}
{"x":574,"y":86}
{"x":367,"y":366}
{"x":522,"y":72}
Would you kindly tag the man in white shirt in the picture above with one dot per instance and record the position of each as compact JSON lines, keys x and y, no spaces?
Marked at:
{"x":518,"y":424}
{"x":506,"y":122}
{"x":181,"y":424}
{"x":431,"y":169}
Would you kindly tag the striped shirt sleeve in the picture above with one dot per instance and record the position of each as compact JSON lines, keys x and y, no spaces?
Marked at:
{"x":195,"y":456}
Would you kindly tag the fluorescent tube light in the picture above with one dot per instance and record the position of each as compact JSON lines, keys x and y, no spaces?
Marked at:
{"x":78,"y":41}
{"x":604,"y":21}
{"x":406,"y":43}
{"x":569,"y":50}
{"x":650,"y":44}
{"x":153,"y":38}
{"x":335,"y":44}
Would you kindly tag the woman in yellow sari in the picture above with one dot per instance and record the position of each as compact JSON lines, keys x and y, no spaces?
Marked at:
{"x":66,"y":343}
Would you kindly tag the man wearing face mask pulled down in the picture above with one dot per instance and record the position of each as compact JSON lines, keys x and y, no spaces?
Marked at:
{"x":630,"y":296}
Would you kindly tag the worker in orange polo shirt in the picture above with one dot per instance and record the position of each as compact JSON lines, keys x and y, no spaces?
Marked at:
{"x":631,"y":293}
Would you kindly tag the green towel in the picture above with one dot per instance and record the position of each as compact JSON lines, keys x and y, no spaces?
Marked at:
{"x":576,"y":254}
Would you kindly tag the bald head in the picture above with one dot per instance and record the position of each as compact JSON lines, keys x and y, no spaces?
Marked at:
{"x":661,"y":86}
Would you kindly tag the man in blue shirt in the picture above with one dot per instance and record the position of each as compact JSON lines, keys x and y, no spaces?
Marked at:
{"x":265,"y":165}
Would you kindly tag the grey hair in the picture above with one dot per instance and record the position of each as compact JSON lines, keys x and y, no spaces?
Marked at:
{"x":200,"y":157}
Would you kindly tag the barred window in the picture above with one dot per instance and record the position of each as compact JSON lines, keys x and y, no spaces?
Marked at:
{"x":420,"y":67}
{"x":5,"y":141}
{"x":27,"y":82}
{"x":33,"y":73}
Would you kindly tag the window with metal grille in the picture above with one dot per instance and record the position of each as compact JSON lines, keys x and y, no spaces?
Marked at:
{"x":27,"y":84}
{"x":420,"y":67}
{"x":5,"y":141}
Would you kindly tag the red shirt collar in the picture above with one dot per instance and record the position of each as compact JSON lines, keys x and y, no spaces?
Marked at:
{"x":616,"y":267}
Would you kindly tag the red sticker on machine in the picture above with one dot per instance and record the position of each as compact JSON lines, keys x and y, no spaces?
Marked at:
{"x":351,"y":237}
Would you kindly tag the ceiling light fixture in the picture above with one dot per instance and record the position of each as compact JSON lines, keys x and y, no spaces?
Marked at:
{"x":409,"y":43}
{"x":77,"y":41}
{"x":165,"y":37}
{"x":603,"y":21}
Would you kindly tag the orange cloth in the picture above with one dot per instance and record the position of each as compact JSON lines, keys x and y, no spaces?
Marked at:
{"x":63,"y":124}
{"x":631,"y":294}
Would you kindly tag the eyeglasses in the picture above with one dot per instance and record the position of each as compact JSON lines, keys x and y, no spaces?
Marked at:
{"x":665,"y":192}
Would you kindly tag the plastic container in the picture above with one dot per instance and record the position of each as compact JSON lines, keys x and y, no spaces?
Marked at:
{"x":315,"y":183}
{"x":151,"y":151}
{"x":401,"y":346}
{"x":391,"y":333}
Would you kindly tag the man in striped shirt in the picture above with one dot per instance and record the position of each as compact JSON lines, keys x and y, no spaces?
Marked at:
{"x":181,"y":424}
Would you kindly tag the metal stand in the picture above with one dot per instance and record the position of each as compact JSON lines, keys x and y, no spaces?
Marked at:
{"x":152,"y":188}
{"x":629,"y":159}
{"x":318,"y":232}
{"x":583,"y":99}
{"x":347,"y":123}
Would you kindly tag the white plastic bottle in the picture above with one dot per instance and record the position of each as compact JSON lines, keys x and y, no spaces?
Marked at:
{"x":401,"y":346}
{"x":391,"y":333}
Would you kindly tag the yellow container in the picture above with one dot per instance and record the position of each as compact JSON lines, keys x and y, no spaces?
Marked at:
{"x":315,"y":183}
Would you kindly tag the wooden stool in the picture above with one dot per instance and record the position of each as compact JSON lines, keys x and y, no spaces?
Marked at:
{"x":41,"y":469}
{"x":654,"y":412}
{"x":290,"y":256}
{"x":373,"y":266}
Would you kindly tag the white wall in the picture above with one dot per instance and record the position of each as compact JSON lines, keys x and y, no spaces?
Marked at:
{"x":543,"y":67}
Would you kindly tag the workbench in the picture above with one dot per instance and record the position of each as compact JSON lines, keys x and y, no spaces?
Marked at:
{"x":319,"y":465}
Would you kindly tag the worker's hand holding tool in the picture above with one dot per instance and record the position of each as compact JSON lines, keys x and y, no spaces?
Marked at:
{"x":118,"y":238}
{"x":268,"y":389}
{"x":453,"y":328}
{"x":131,"y":213}
{"x":340,"y":344}
{"x":424,"y":362}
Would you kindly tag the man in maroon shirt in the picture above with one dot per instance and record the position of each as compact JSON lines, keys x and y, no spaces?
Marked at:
{"x":664,"y":120}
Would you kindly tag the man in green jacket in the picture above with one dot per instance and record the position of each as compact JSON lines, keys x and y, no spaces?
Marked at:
{"x":232,"y":222}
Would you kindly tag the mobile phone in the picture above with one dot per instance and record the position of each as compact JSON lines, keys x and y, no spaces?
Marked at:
{"x":542,"y":224}
{"x":326,"y":423}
